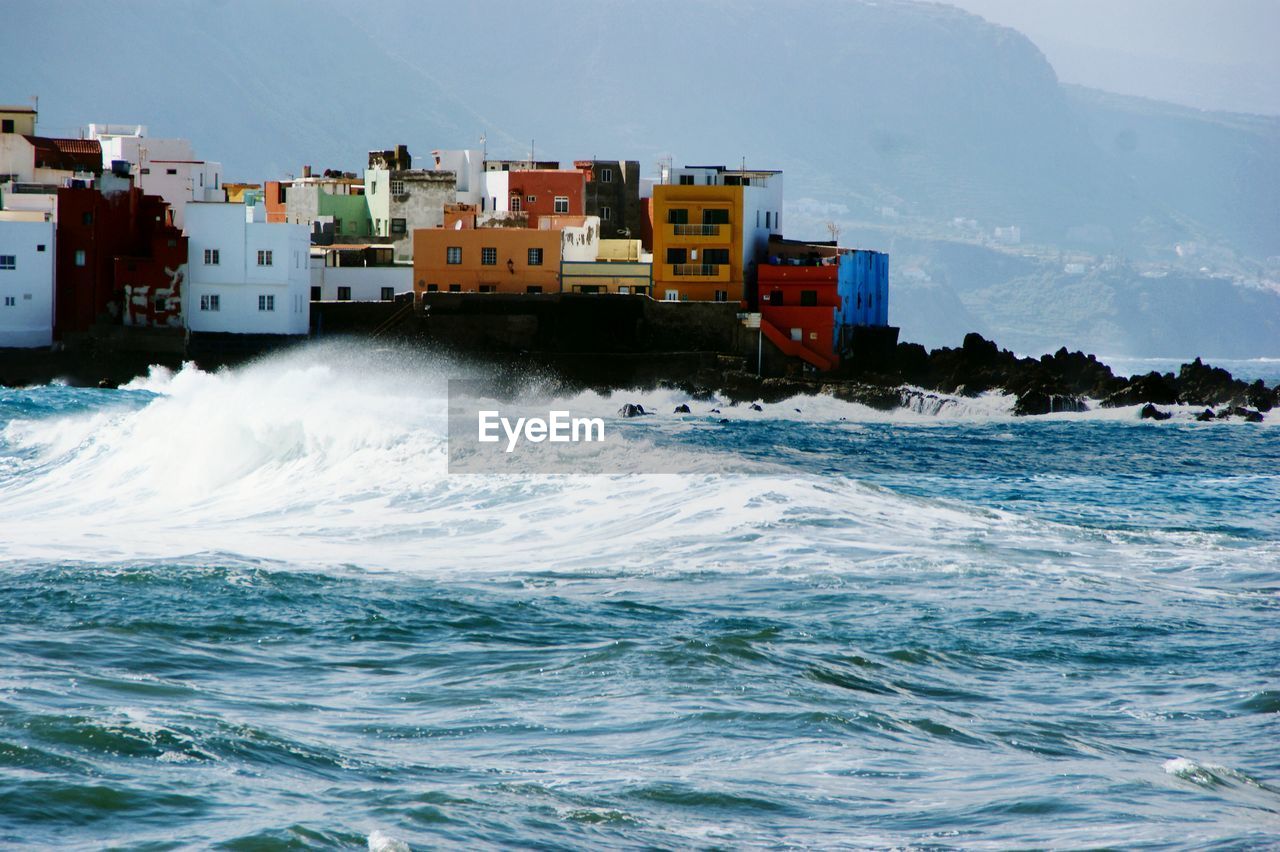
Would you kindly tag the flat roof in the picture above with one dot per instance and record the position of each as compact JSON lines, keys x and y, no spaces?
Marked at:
{"x":352,"y":247}
{"x":9,"y":108}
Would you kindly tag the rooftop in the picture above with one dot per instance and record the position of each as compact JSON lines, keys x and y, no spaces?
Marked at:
{"x":66,"y":154}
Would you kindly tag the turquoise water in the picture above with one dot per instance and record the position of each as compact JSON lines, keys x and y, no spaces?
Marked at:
{"x":251,"y":611}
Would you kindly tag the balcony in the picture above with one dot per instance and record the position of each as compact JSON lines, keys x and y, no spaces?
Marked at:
{"x":696,"y":234}
{"x":699,"y":271}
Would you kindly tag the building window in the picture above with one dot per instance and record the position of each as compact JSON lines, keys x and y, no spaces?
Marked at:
{"x":145,"y":171}
{"x":344,"y":294}
{"x":488,"y":288}
{"x":161,"y":303}
{"x":534,"y":289}
{"x":677,"y":216}
{"x":80,"y":259}
{"x":40,"y":247}
{"x":722,"y":295}
{"x":624,"y":290}
{"x":397,"y":187}
{"x":397,"y":226}
{"x":531,"y":198}
{"x":606,"y":175}
{"x":210,"y":257}
{"x":433,"y":288}
{"x":266,"y":303}
{"x":606,"y":214}
{"x":315,"y":294}
{"x":455,"y":288}
{"x":562,"y":204}
{"x":488,"y":257}
{"x":677,"y":255}
{"x":672,"y":296}
{"x":86,"y":218}
{"x":515,"y":203}
{"x":8,"y":261}
{"x":388,"y":294}
{"x":809,"y":298}
{"x":6,"y":125}
{"x":715,"y":216}
{"x":10,"y":301}
{"x":535,"y":257}
{"x":715,"y":256}
{"x":767,"y":217}
{"x":171,"y":171}
{"x":453,"y":255}
{"x":210,"y":302}
{"x":685,"y":180}
{"x":264,"y":257}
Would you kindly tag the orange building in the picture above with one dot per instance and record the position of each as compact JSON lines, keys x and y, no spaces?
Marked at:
{"x":544,"y":192}
{"x":486,"y":260}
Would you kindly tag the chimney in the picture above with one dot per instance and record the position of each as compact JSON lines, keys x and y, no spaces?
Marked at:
{"x":306,"y":171}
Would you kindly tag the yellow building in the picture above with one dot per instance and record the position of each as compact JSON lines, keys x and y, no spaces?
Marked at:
{"x":697,"y":243}
{"x":711,"y":225}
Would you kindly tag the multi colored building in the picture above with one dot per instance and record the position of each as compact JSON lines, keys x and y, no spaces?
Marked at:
{"x":403,"y":199}
{"x":120,"y":259}
{"x":467,"y":259}
{"x":711,"y":227}
{"x":814,"y":297}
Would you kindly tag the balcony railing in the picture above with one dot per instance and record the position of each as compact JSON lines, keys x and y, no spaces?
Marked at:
{"x":699,"y":269}
{"x":696,"y":230}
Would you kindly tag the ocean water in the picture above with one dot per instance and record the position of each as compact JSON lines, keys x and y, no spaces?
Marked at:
{"x":251,"y":610}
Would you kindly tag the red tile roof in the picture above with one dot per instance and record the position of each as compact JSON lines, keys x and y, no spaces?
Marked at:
{"x":68,"y":154}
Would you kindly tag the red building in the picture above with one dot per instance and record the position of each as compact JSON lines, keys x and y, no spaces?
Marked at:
{"x":798,"y":307}
{"x":119,"y":257}
{"x":546,"y":192}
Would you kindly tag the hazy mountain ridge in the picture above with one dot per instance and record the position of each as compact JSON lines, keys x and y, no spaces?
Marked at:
{"x":905,"y":115}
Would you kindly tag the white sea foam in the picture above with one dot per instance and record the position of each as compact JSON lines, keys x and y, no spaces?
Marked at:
{"x":321,"y":458}
{"x":380,"y":841}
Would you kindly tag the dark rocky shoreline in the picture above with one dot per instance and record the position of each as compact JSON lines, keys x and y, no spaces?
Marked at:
{"x":1061,"y":382}
{"x":912,"y":377}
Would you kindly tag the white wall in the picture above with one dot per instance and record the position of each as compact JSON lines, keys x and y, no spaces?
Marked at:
{"x":16,"y":157}
{"x":496,"y":191}
{"x":468,"y":165}
{"x":756,"y":202}
{"x":28,"y":322}
{"x":377,"y":189}
{"x":238,"y":233}
{"x":581,"y":244}
{"x":366,"y":282}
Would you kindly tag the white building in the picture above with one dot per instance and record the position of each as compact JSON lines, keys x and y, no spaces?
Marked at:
{"x":468,"y":165}
{"x":342,"y":273}
{"x":246,"y":275}
{"x":26,"y":279}
{"x":33,"y":168}
{"x":164,"y":167}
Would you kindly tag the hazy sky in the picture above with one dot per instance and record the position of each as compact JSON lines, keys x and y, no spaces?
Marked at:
{"x":1212,"y":54}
